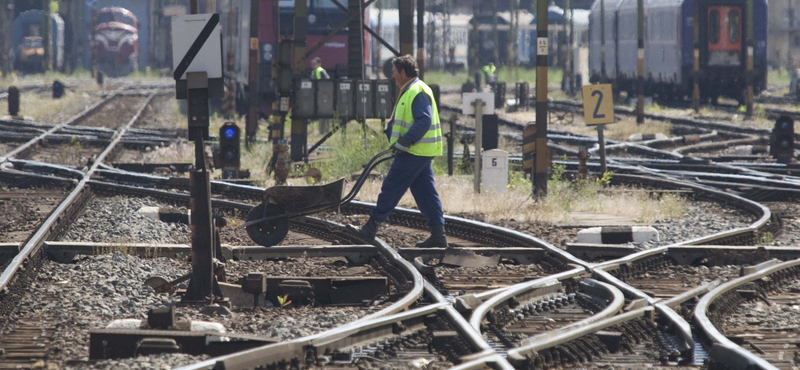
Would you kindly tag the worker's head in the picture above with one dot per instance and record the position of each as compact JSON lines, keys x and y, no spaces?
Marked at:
{"x":316,"y":62}
{"x":404,"y":69}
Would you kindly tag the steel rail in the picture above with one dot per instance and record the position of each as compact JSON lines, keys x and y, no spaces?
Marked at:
{"x":381,"y":323}
{"x":477,"y":225}
{"x":596,"y":288}
{"x":731,"y":354}
{"x":530,"y":289}
{"x":55,"y":128}
{"x":33,"y":245}
{"x":517,"y":355}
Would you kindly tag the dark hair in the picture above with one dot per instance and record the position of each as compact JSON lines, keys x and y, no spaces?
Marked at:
{"x":406,"y":63}
{"x":317,"y":60}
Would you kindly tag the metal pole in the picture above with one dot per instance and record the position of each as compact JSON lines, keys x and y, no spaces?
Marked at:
{"x":540,"y":168}
{"x":421,"y":38}
{"x":474,"y":42}
{"x":572,"y":86}
{"x":450,"y":144}
{"x":251,"y":126}
{"x":696,"y":56}
{"x":601,"y":139}
{"x":640,"y":67}
{"x":750,"y":44}
{"x":406,"y":12}
{"x":478,"y":143}
{"x":46,"y":37}
{"x":496,"y":52}
{"x":5,"y":24}
{"x":602,"y":41}
{"x":566,"y":78}
{"x":355,"y":37}
{"x":298,"y":128}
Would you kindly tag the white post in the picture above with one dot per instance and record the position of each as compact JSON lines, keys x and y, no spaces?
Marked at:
{"x":478,"y":143}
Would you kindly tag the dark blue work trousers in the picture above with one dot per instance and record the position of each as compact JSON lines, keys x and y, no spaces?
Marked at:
{"x":416,"y":173}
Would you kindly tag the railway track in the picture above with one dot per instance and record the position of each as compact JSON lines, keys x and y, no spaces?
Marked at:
{"x":547,"y":311}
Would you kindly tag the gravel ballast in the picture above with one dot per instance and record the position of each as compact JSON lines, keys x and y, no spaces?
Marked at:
{"x":97,"y":289}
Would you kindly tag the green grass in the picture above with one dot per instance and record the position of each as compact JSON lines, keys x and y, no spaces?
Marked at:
{"x":779,"y":76}
{"x":507,"y":75}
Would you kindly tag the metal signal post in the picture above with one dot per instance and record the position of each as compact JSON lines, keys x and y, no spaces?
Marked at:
{"x":750,"y":46}
{"x":640,"y":67}
{"x":541,"y":167}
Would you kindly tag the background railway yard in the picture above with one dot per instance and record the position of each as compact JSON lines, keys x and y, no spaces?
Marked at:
{"x":718,"y":288}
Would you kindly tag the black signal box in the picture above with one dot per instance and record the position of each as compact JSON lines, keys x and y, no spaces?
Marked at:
{"x":229,"y":150}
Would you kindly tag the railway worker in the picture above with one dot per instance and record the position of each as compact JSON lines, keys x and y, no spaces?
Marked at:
{"x":318,"y":73}
{"x":489,"y":71}
{"x":415,"y":134}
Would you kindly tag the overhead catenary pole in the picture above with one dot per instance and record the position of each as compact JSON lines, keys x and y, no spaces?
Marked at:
{"x":5,"y":26}
{"x":566,"y":78}
{"x":421,"y":37}
{"x":541,"y":167}
{"x":696,"y":59}
{"x":474,"y":42}
{"x":298,"y":134}
{"x":251,"y":126}
{"x":46,"y":38}
{"x":640,"y":65}
{"x":603,"y":76}
{"x":572,"y":86}
{"x":750,"y":44}
{"x":513,"y":36}
{"x":355,"y":37}
{"x":406,"y":12}
{"x":495,"y":35}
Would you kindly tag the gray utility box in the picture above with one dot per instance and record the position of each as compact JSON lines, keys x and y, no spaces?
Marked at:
{"x":365,"y":100}
{"x":345,"y":99}
{"x":385,"y":97}
{"x":325,"y":98}
{"x":304,"y":104}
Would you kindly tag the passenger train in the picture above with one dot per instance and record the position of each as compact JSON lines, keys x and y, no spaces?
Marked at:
{"x":668,"y":46}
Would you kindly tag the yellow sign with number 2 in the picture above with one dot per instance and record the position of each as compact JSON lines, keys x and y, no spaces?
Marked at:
{"x":598,"y":104}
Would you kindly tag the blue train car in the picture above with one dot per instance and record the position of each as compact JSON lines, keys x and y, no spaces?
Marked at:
{"x":28,"y":41}
{"x":668,"y":47}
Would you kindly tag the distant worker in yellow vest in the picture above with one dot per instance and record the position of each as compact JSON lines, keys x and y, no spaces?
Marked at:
{"x":317,"y":72}
{"x":489,"y":71}
{"x":415,"y":134}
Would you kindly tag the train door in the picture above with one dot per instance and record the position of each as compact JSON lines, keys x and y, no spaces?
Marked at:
{"x":724,"y":35}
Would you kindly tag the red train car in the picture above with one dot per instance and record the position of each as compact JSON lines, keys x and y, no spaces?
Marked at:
{"x":323,"y":18}
{"x":116,"y":36}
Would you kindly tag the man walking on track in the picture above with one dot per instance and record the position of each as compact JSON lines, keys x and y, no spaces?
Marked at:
{"x":416,"y":136}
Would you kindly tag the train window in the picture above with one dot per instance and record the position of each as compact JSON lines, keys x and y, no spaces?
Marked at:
{"x":713,"y":26}
{"x":733,"y":26}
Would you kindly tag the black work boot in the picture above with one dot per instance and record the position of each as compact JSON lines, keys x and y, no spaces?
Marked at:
{"x":436,"y":240}
{"x":366,"y":232}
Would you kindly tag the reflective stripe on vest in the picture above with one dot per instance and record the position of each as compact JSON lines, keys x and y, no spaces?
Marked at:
{"x":431,"y":143}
